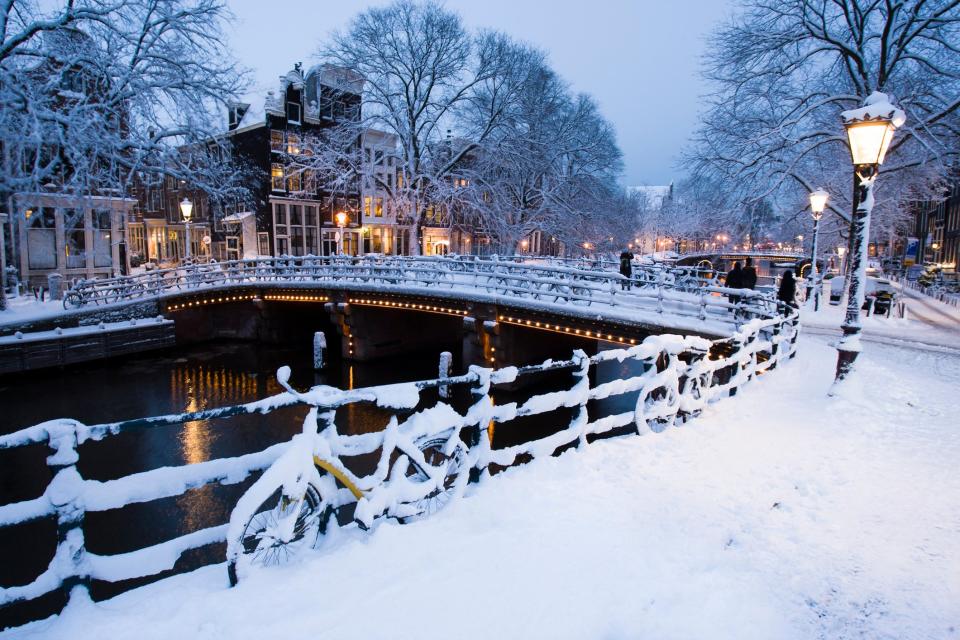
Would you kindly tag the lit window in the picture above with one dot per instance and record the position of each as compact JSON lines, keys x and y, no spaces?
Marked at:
{"x":276,"y":176}
{"x":378,"y":208}
{"x":293,"y":143}
{"x":366,"y":205}
{"x":276,"y":141}
{"x":293,"y":181}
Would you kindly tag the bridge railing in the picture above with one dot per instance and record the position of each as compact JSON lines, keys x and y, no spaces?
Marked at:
{"x":677,"y":377}
{"x":689,"y":291}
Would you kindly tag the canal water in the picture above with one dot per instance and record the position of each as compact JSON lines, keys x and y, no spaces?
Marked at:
{"x":191,"y":379}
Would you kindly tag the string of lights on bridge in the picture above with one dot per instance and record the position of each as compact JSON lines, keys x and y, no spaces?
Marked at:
{"x":412,"y":306}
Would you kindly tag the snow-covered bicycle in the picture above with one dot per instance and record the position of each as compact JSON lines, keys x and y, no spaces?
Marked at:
{"x":422,"y":464}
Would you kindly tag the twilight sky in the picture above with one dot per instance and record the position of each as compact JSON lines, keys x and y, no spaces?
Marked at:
{"x":638,"y":58}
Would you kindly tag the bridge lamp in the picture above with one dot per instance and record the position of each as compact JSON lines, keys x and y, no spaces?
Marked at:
{"x":818,"y":202}
{"x":186,"y":210}
{"x":341,"y":219}
{"x":869,"y":131}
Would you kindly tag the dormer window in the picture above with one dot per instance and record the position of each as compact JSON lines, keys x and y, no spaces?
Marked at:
{"x":293,"y":112}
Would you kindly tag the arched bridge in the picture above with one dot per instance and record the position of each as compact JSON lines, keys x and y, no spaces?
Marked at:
{"x":485,"y":293}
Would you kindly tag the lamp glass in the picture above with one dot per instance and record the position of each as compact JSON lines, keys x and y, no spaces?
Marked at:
{"x":341,"y":219}
{"x":186,"y":209}
{"x":869,"y":141}
{"x":818,"y":202}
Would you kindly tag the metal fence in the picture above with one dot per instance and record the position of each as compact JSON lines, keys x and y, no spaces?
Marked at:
{"x":679,"y":376}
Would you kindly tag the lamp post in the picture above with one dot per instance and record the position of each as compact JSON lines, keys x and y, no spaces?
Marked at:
{"x":186,"y":210}
{"x":841,"y":250}
{"x":818,"y":202}
{"x":341,"y":223}
{"x":869,"y":130}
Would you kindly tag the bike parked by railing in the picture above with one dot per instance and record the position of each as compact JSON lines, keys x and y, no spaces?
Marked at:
{"x":290,"y":506}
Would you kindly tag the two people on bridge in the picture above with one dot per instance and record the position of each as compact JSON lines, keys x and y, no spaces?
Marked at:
{"x":745,"y":278}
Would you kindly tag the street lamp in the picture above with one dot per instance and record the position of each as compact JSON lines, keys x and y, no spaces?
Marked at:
{"x":869,"y":130}
{"x":341,"y":223}
{"x":818,"y":202}
{"x":841,"y":250}
{"x":186,"y":210}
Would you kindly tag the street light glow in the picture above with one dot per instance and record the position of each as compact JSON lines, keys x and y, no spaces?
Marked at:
{"x":818,"y":202}
{"x":341,"y":219}
{"x":186,"y":209}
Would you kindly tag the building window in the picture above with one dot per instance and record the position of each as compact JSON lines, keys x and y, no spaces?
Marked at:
{"x":276,"y":141}
{"x":75,"y":238}
{"x":294,"y":182}
{"x":263,"y":243}
{"x":41,"y":238}
{"x":102,"y":234}
{"x":137,"y":240}
{"x":293,"y":112}
{"x":293,"y":143}
{"x":366,"y":206}
{"x":276,"y":177}
{"x":378,"y":208}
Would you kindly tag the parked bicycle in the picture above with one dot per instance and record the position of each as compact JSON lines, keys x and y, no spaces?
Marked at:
{"x":290,"y":506}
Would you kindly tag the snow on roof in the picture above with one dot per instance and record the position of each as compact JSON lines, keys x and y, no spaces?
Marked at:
{"x":877,"y":106}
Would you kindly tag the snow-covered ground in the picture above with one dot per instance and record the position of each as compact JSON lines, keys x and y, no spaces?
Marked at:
{"x":779,"y":513}
{"x":929,"y":322}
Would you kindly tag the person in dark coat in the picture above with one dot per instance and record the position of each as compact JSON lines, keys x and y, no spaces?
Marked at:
{"x":626,"y":268}
{"x":748,"y":277}
{"x":788,"y":289}
{"x":734,"y":281}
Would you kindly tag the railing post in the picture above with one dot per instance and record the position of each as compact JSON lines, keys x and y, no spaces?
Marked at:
{"x":660,"y":292}
{"x":66,"y":495}
{"x":581,"y":390}
{"x":446,"y":367}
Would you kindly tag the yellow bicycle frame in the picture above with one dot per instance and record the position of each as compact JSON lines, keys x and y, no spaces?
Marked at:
{"x":339,"y":475}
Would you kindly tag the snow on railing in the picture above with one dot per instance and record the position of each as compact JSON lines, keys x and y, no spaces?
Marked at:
{"x":679,"y":290}
{"x":679,"y":376}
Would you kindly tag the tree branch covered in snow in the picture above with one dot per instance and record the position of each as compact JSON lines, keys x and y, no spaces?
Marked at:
{"x":98,"y":93}
{"x":784,"y":70}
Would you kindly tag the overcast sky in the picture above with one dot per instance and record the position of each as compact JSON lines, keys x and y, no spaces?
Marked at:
{"x":638,"y":58}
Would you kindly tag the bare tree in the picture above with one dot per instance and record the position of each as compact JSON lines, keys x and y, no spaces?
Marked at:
{"x":552,"y":154}
{"x":785,"y":69}
{"x":97,"y":91}
{"x":439,"y":90}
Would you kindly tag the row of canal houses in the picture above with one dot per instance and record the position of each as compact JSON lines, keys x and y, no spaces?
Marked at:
{"x":105,"y":235}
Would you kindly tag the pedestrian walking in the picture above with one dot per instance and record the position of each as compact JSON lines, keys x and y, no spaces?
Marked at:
{"x":626,"y":268}
{"x":748,"y":277}
{"x":788,"y":289}
{"x":734,"y":281}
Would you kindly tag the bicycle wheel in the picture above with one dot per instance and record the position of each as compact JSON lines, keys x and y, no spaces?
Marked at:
{"x":73,"y":300}
{"x":451,"y":466}
{"x":262,"y":542}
